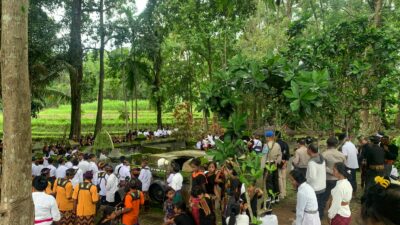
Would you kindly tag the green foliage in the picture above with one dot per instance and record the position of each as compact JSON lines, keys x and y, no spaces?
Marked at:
{"x":103,"y":141}
{"x":307,"y":91}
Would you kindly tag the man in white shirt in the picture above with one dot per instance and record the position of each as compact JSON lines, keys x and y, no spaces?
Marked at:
{"x":123,"y":170}
{"x":38,"y":168}
{"x":93,"y":167}
{"x":111,"y":185}
{"x":52,"y":169}
{"x":145,"y":177}
{"x":316,"y":176}
{"x":306,"y":204}
{"x":78,"y":178}
{"x":350,"y":151}
{"x":34,"y":166}
{"x":46,"y":209}
{"x":68,"y":164}
{"x":84,"y":165}
{"x":101,"y":182}
{"x":122,"y":160}
{"x":62,"y":169}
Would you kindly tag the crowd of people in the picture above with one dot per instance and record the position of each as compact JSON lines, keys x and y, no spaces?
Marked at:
{"x":71,"y":190}
{"x":325,"y":182}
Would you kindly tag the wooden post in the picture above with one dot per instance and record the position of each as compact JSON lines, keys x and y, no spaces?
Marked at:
{"x":16,"y":186}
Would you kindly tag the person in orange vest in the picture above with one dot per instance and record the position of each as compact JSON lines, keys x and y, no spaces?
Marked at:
{"x":133,"y":200}
{"x":85,"y":199}
{"x":63,"y":190}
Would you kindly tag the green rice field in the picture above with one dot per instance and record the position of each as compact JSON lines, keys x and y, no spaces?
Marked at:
{"x":54,"y":123}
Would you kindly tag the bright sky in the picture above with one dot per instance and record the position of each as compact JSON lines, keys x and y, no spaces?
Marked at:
{"x":140,"y":5}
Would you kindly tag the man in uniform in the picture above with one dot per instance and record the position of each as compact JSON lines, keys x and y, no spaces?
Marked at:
{"x":63,"y":190}
{"x":374,"y":156}
{"x":85,"y":199}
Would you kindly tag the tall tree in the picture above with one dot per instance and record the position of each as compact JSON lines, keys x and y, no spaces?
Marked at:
{"x":154,"y":30}
{"x":16,"y":193}
{"x":76,"y":70}
{"x":106,"y":31}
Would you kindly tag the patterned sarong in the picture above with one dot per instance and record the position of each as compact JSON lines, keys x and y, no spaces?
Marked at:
{"x":84,"y":220}
{"x":67,"y":218}
{"x":340,"y":220}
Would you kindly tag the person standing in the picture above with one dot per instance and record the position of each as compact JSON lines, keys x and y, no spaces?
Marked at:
{"x":46,"y":210}
{"x":272,"y":156}
{"x":257,"y":144}
{"x":52,"y":169}
{"x":78,"y":178}
{"x":63,"y":190}
{"x":339,"y":211}
{"x":391,"y":153}
{"x":123,"y":171}
{"x":282,"y":167}
{"x":145,"y":177}
{"x":374,"y":156}
{"x":62,"y":169}
{"x":93,"y":167}
{"x":350,"y":151}
{"x":111,"y":186}
{"x":363,"y":143}
{"x":134,"y":199}
{"x":301,"y":157}
{"x":84,"y":165}
{"x":101,"y":183}
{"x":316,"y":176}
{"x":306,"y":204}
{"x":331,"y":156}
{"x":176,"y":182}
{"x":85,"y":199}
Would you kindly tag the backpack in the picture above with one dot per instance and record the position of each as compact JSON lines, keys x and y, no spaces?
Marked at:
{"x":62,"y":182}
{"x":84,"y":186}
{"x":101,"y":176}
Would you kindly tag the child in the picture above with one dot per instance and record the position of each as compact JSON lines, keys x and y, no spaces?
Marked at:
{"x":198,"y":177}
{"x":109,"y":216}
{"x":176,"y":182}
{"x":203,"y":204}
{"x":169,"y":205}
{"x":182,"y":217}
{"x":133,"y":200}
{"x":254,"y":194}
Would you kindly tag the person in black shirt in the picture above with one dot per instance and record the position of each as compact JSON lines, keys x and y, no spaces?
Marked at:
{"x":198,"y":177}
{"x":283,"y":165}
{"x":391,"y":153}
{"x":182,"y":217}
{"x":211,"y":175}
{"x":374,"y":156}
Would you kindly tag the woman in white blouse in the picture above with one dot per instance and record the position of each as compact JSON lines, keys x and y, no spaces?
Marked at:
{"x":339,"y":211}
{"x":46,"y":209}
{"x":307,"y":205}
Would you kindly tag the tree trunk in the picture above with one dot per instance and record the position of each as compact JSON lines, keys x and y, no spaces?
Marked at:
{"x":398,"y":115}
{"x":126,"y":109}
{"x":136,"y":107}
{"x":16,"y":193}
{"x":365,"y":117}
{"x":76,"y":73}
{"x":99,"y":117}
{"x":289,"y":9}
{"x":157,"y":84}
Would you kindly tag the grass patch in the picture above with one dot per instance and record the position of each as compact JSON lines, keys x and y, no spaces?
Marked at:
{"x":54,"y":123}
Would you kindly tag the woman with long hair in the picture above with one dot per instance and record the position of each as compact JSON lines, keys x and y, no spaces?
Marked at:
{"x":339,"y":211}
{"x":235,"y":216}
